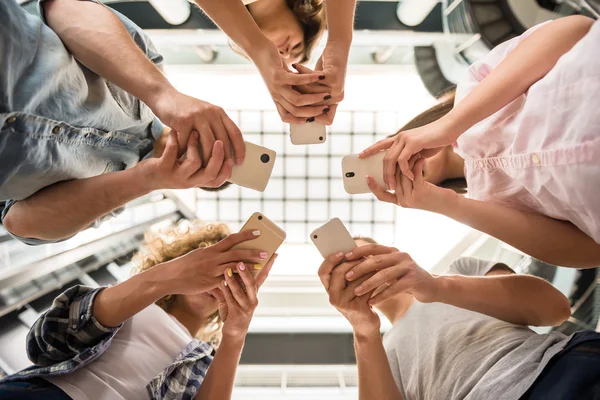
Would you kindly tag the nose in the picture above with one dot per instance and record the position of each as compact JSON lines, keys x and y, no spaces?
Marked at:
{"x":284,"y":50}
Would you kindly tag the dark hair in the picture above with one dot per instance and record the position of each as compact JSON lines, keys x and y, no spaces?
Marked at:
{"x":311,"y":15}
{"x":444,"y":106}
{"x":217,"y":189}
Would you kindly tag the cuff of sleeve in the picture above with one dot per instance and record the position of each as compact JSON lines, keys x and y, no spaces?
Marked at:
{"x":81,"y":318}
{"x":157,"y":129}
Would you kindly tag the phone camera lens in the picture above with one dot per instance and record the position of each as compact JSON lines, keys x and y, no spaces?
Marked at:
{"x":265,"y":158}
{"x":259,"y":217}
{"x":349,"y":174}
{"x":315,"y":236}
{"x":321,"y":138}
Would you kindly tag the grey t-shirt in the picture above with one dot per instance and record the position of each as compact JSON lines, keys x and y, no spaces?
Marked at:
{"x":437,"y":351}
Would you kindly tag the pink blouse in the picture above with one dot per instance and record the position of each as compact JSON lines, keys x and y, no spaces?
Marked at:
{"x":541,"y":153}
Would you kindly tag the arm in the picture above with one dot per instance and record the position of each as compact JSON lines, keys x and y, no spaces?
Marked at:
{"x":529,"y":62}
{"x":218,"y":384}
{"x":340,"y":22}
{"x":375,"y":379}
{"x":553,"y":241}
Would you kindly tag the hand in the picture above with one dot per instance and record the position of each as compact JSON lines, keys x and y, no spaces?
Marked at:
{"x":355,"y":308}
{"x":386,"y":272}
{"x":236,"y":305}
{"x":202,"y":270}
{"x":417,"y":193}
{"x":333,"y":63}
{"x":329,"y":103}
{"x":170,"y":172}
{"x":402,"y":148}
{"x":293,"y":106}
{"x":185,"y":114}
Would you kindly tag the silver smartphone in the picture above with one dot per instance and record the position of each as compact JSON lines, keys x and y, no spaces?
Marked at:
{"x":310,"y":133}
{"x":355,"y":171}
{"x":255,"y":171}
{"x":332,"y":237}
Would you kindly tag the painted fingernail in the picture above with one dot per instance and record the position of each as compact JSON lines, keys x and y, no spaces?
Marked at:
{"x":321,"y":77}
{"x":311,"y":119}
{"x":224,"y":283}
{"x":264,"y":255}
{"x":350,"y":274}
{"x":327,"y":97}
{"x":229,"y":272}
{"x":241,"y":266}
{"x":326,"y":110}
{"x":348,"y":255}
{"x":256,"y":232}
{"x":358,"y":290}
{"x":258,"y":267}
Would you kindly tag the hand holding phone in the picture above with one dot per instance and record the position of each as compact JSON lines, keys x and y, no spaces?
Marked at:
{"x":355,"y":171}
{"x":332,"y":237}
{"x":310,"y":133}
{"x":255,"y":171}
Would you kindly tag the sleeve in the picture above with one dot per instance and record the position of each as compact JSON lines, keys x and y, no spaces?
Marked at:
{"x":157,"y":128}
{"x":139,"y":36}
{"x":470,"y":266}
{"x":482,"y":68}
{"x":68,"y":329}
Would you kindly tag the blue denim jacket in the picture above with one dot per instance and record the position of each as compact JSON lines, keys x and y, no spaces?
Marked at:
{"x":58,"y":120}
{"x":68,"y":337}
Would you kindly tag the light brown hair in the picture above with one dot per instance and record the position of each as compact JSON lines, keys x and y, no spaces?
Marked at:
{"x":175,"y":242}
{"x":311,"y":15}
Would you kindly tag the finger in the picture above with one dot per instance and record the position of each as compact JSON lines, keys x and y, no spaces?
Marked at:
{"x":221,"y":134}
{"x":213,"y":167}
{"x":368,"y":250}
{"x":237,"y":140}
{"x":302,"y":69}
{"x":207,"y":141}
{"x":229,"y":299}
{"x":169,"y":155}
{"x":388,"y":275}
{"x":235,"y":239}
{"x":245,"y":255}
{"x":328,"y":116}
{"x":249,"y":283}
{"x":192,"y":162}
{"x":338,"y":280}
{"x":348,"y":293}
{"x":379,"y":192}
{"x":300,"y":112}
{"x":377,"y":147}
{"x":407,"y":184}
{"x":399,"y":287}
{"x":298,"y":99}
{"x":327,"y":266}
{"x":390,"y":165}
{"x":291,"y":78}
{"x":374,"y":264}
{"x":236,"y":289}
{"x":418,"y":171}
{"x":264,"y":270}
{"x":287,"y":117}
{"x":413,"y":160}
{"x":218,"y":294}
{"x":406,"y":153}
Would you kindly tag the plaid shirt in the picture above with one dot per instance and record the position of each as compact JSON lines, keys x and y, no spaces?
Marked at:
{"x":68,"y":337}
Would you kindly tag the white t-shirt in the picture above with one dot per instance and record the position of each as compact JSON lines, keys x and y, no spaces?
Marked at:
{"x":437,"y":351}
{"x":145,"y":345}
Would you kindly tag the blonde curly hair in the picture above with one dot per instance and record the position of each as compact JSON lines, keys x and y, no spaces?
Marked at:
{"x":176,"y":241}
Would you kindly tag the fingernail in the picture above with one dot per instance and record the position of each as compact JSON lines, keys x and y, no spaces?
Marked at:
{"x":339,"y":255}
{"x":256,"y":232}
{"x":229,"y":272}
{"x":224,"y":283}
{"x":311,"y":119}
{"x":361,"y":153}
{"x":327,"y":97}
{"x":239,"y":160}
{"x":348,"y":255}
{"x":358,"y":290}
{"x":321,"y":77}
{"x":264,"y":255}
{"x":258,"y":266}
{"x":241,"y":266}
{"x":294,"y":65}
{"x":350,"y":274}
{"x":326,"y":110}
{"x":230,"y":162}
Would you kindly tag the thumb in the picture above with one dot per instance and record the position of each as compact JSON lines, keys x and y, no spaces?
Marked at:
{"x":302,"y":69}
{"x":218,"y":295}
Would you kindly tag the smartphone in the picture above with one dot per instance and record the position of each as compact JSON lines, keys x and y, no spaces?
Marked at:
{"x":271,"y":236}
{"x":332,"y":237}
{"x":255,"y":171}
{"x":355,"y":170}
{"x":311,"y":133}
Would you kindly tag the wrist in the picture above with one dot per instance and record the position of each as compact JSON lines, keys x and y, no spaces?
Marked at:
{"x":157,"y":91}
{"x":233,"y":339}
{"x":447,"y":200}
{"x":145,"y":178}
{"x":367,"y":335}
{"x":255,"y":49}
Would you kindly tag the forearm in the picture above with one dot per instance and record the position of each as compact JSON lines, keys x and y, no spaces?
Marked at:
{"x":116,"y":304}
{"x":98,"y":39}
{"x":218,"y":383}
{"x":233,"y":18}
{"x":61,"y":210}
{"x":375,"y":379}
{"x":340,"y":21}
{"x":547,"y":239}
{"x":529,"y":62}
{"x":518,"y":299}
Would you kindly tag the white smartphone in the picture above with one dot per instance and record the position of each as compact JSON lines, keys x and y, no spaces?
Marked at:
{"x":355,"y":171}
{"x":332,"y":237}
{"x":255,"y":171}
{"x":310,"y":133}
{"x":271,"y":236}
